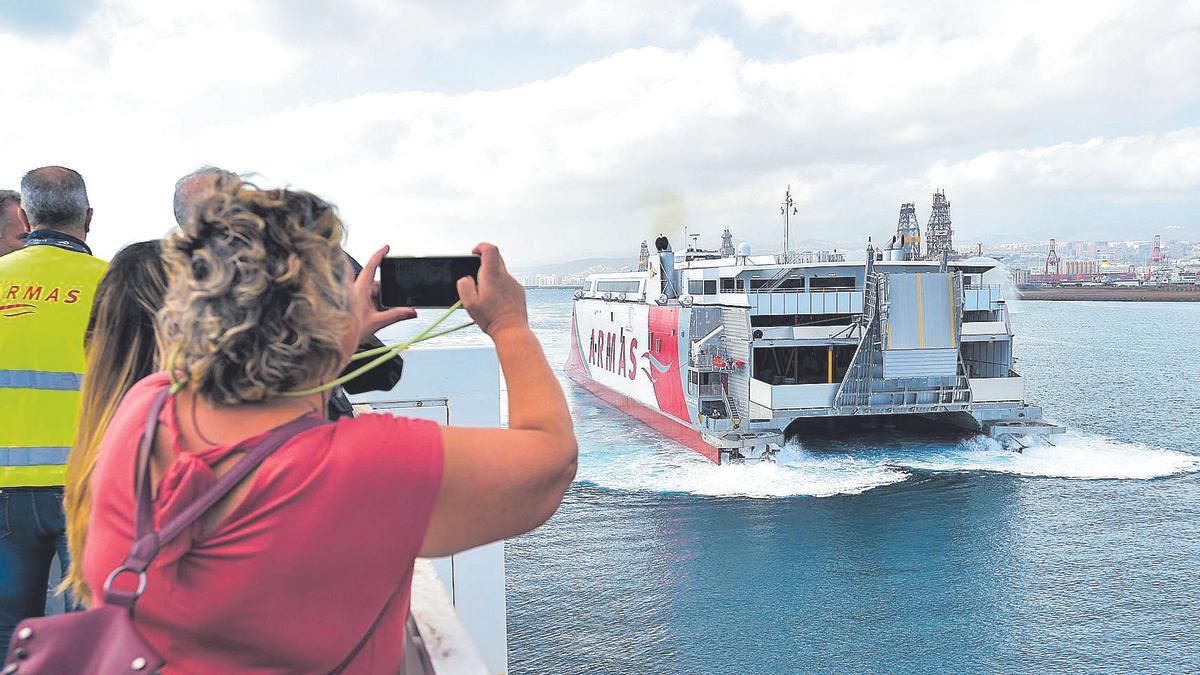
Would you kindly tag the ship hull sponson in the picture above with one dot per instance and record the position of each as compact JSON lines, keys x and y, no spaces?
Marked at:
{"x":629,"y":355}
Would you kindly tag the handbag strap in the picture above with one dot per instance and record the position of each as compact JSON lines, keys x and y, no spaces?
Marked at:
{"x":362,"y":642}
{"x":147,"y":542}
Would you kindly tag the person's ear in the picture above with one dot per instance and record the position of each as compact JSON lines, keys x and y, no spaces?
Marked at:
{"x":24,"y":218}
{"x":87,"y":221}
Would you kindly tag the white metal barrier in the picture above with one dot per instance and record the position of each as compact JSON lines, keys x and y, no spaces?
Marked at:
{"x":457,"y":387}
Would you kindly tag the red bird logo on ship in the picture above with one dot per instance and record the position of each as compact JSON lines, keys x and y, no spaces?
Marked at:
{"x":660,"y":367}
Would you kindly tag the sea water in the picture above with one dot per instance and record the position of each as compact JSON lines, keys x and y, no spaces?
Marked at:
{"x":889,"y":551}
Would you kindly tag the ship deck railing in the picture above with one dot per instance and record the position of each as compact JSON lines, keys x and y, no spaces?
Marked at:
{"x":841,"y":289}
{"x":704,"y":361}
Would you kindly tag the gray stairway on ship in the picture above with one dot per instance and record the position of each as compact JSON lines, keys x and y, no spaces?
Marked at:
{"x":736,"y":341}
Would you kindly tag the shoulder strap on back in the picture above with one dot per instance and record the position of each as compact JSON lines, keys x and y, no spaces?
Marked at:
{"x":147,"y":542}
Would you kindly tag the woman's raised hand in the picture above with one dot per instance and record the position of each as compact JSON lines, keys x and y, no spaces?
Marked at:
{"x":366,"y":291}
{"x":497,"y":301}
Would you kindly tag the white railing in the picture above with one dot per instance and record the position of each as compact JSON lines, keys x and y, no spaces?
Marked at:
{"x":847,"y":289}
{"x":981,"y":297}
{"x":458,"y":602}
{"x":792,"y":396}
{"x":436,"y":640}
{"x":807,"y":302}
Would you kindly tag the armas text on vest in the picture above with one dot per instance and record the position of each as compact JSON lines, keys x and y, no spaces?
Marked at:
{"x":40,"y":293}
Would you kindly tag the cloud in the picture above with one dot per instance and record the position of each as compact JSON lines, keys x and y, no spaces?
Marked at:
{"x":599,"y":144}
{"x":1155,"y":165}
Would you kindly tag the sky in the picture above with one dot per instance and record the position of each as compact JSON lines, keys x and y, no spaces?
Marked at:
{"x":563,"y":130}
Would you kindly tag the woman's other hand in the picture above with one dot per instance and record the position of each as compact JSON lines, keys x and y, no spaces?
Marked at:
{"x":497,"y":301}
{"x":366,"y":292}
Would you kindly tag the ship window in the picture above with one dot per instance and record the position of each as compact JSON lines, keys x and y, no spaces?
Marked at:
{"x":791,"y":365}
{"x":657,"y":346}
{"x":802,"y":365}
{"x":741,"y":285}
{"x":769,"y":320}
{"x":789,"y":283}
{"x":612,"y":316}
{"x":843,"y":355}
{"x":831,"y":282}
{"x":611,"y":286}
{"x":727,"y":285}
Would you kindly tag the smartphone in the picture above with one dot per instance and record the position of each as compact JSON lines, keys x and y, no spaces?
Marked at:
{"x":424,"y":281}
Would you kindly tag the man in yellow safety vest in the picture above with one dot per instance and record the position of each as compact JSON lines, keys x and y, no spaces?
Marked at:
{"x":46,"y":292}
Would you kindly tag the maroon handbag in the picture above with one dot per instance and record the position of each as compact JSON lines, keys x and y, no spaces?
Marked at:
{"x":104,"y":640}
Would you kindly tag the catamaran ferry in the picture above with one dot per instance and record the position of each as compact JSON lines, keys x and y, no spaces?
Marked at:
{"x":729,"y":353}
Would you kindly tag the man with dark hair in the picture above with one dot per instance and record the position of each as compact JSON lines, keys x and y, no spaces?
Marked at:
{"x":46,"y":292}
{"x":12,"y":234}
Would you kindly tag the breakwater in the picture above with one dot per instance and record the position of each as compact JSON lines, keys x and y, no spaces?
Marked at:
{"x":1177,"y":293}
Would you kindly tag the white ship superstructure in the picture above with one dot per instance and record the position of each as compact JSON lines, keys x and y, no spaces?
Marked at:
{"x":727,"y":353}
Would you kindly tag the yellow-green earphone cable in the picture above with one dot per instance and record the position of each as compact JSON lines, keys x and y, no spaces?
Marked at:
{"x":384,"y":354}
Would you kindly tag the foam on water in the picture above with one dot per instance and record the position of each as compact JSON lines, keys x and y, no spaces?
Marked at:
{"x":667,"y":468}
{"x":1074,"y":455}
{"x":797,"y":473}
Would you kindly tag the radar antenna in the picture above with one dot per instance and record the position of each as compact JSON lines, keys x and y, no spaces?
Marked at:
{"x":788,"y":209}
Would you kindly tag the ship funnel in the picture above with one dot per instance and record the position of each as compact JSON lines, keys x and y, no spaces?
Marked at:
{"x":668,"y":276}
{"x":665,"y":269}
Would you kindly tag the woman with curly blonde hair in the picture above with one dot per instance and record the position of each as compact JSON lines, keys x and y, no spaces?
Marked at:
{"x":306,"y":565}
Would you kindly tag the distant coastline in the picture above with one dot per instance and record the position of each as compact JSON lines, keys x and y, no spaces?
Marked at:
{"x":1173,"y":293}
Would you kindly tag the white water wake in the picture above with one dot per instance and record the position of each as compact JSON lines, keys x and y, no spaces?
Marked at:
{"x":1074,"y":455}
{"x":797,"y":473}
{"x":800,"y":473}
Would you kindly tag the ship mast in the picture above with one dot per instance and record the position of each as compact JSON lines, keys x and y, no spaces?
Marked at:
{"x":788,"y":209}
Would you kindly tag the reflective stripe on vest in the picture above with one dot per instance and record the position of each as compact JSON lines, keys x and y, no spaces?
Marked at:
{"x":33,"y":456}
{"x":39,"y":379}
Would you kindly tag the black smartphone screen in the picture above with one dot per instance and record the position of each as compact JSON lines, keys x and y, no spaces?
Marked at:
{"x":424,"y":282}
